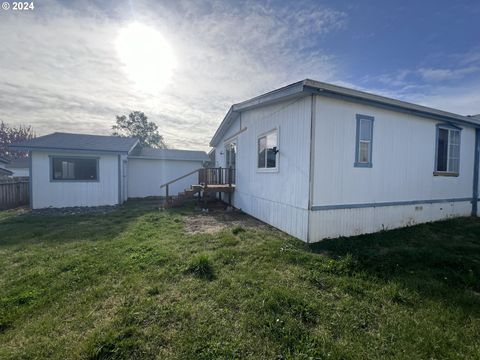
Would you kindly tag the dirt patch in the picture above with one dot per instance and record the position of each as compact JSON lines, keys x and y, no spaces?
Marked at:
{"x":217,"y":220}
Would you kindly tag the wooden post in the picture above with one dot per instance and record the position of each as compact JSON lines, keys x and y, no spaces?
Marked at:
{"x":166,"y":193}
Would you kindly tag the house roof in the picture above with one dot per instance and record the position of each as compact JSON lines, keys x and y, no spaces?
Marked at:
{"x":307,"y":87}
{"x":18,"y":163}
{"x":78,"y":142}
{"x":171,"y":154}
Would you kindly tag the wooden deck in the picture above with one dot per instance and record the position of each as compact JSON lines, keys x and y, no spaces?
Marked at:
{"x":215,"y":188}
{"x":211,"y":181}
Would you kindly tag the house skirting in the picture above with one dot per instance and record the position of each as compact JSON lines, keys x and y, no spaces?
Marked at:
{"x":331,"y":221}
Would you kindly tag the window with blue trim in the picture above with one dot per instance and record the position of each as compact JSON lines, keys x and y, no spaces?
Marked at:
{"x":448,"y":150}
{"x":364,"y":141}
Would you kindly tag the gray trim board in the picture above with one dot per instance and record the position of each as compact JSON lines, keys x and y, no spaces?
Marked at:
{"x":357,"y":163}
{"x":388,"y":203}
{"x":476,"y":169}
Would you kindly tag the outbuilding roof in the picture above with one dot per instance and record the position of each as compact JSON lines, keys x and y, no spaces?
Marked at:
{"x":18,"y":163}
{"x":308,"y":86}
{"x":5,"y":172}
{"x":171,"y":154}
{"x":78,"y":142}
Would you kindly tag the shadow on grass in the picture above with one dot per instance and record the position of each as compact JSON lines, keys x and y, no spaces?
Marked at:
{"x":28,"y":227}
{"x":440,"y":260}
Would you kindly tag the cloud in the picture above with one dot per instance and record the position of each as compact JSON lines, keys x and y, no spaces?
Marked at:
{"x":60,"y":70}
{"x":430,"y":74}
{"x":455,"y":87}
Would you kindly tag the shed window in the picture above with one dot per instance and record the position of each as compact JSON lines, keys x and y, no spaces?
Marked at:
{"x":74,"y":169}
{"x":268,"y":150}
{"x":448,"y":150}
{"x":364,"y":141}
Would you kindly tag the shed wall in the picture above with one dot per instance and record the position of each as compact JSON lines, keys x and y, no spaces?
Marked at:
{"x":57,"y":194}
{"x":146,"y":175}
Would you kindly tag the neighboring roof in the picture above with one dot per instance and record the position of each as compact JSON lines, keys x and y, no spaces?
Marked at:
{"x":307,"y":87}
{"x":78,"y":142}
{"x":5,"y":172}
{"x":171,"y":154}
{"x":4,"y":160}
{"x":18,"y":164}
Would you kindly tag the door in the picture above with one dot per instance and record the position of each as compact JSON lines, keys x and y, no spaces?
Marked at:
{"x":230,"y":154}
{"x":230,"y":161}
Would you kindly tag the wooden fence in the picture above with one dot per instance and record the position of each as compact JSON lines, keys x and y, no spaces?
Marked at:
{"x":13,"y":193}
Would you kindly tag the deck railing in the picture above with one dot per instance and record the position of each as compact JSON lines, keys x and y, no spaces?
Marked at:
{"x":206,"y":177}
{"x":216,"y":176}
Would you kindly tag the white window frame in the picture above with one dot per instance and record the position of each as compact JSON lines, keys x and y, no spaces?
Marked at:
{"x":450,"y":129}
{"x":277,"y":155}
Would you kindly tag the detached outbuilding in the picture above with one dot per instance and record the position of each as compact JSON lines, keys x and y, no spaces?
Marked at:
{"x":320,"y":161}
{"x":69,"y":170}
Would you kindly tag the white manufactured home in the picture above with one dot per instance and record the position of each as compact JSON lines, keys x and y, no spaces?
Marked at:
{"x":321,"y":161}
{"x":68,"y":170}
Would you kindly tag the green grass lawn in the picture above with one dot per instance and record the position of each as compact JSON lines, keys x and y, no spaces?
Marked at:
{"x":135,"y":284}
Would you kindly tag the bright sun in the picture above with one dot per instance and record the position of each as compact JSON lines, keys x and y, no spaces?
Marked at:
{"x":148,"y":58}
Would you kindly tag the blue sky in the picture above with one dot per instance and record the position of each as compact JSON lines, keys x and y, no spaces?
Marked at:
{"x":62,"y":71}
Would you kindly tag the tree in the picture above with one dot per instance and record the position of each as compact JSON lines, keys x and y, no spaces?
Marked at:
{"x":12,"y":134}
{"x":137,"y":125}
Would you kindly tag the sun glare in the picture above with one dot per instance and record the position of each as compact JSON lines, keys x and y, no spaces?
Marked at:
{"x":148,"y":58}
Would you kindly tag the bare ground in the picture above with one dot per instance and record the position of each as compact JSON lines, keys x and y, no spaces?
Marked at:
{"x":217,"y":220}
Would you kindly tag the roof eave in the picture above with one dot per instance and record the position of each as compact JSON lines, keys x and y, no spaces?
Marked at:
{"x":281,"y":94}
{"x":395,"y":105}
{"x":165,"y":158}
{"x":70,"y":150}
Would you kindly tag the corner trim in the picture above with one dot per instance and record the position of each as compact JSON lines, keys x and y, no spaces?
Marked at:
{"x":30,"y":182}
{"x":475,"y":173}
{"x":119,"y":181}
{"x":388,"y":203}
{"x":311,"y":178}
